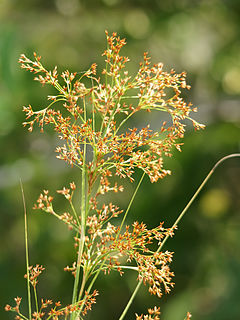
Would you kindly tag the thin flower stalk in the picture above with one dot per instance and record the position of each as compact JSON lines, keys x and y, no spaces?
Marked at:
{"x":174,"y":226}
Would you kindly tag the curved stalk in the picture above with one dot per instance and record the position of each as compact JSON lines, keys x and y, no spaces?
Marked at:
{"x":196,"y":194}
{"x":177,"y":221}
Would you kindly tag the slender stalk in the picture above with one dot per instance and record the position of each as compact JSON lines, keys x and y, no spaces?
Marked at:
{"x":36,"y":299}
{"x":75,"y":213}
{"x":196,"y":194}
{"x":130,"y":203}
{"x":106,"y":68}
{"x":177,"y":221}
{"x":22,"y":316}
{"x":96,"y":275}
{"x":83,"y":222}
{"x":77,"y":277}
{"x":130,"y":301}
{"x":82,"y":285}
{"x":26,"y":252}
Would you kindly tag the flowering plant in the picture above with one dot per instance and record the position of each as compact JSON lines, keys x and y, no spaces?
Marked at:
{"x":91,"y":113}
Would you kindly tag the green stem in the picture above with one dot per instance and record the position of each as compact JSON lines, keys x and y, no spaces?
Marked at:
{"x":83,"y":223}
{"x":130,"y":204}
{"x":130,"y":300}
{"x":128,"y":208}
{"x":75,"y":213}
{"x":26,"y":252}
{"x":96,"y":275}
{"x":22,"y":316}
{"x":123,"y":121}
{"x":36,"y":299}
{"x":72,"y":225}
{"x":82,"y":285}
{"x":91,"y":284}
{"x":81,"y":246}
{"x":177,"y":221}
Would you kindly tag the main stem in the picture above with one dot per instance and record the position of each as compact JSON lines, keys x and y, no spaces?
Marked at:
{"x":82,"y":239}
{"x":82,"y":231}
{"x":234,"y":155}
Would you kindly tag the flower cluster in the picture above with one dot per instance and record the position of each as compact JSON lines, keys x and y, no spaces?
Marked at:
{"x":34,"y":273}
{"x":55,"y":311}
{"x":153,"y":266}
{"x":98,"y":114}
{"x":153,"y":314}
{"x":106,"y":246}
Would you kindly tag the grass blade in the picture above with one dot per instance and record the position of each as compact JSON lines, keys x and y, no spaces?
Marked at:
{"x":26,"y":251}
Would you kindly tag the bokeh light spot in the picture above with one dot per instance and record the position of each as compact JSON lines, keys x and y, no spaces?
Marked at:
{"x":111,"y":2}
{"x":231,"y":81}
{"x":7,"y":121}
{"x":68,"y":8}
{"x":4,"y":6}
{"x":215,"y":203}
{"x":137,"y":24}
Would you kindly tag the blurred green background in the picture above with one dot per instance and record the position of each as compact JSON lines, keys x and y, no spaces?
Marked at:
{"x":201,"y":37}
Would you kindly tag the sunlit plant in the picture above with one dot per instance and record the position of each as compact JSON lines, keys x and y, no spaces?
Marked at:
{"x":91,"y":114}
